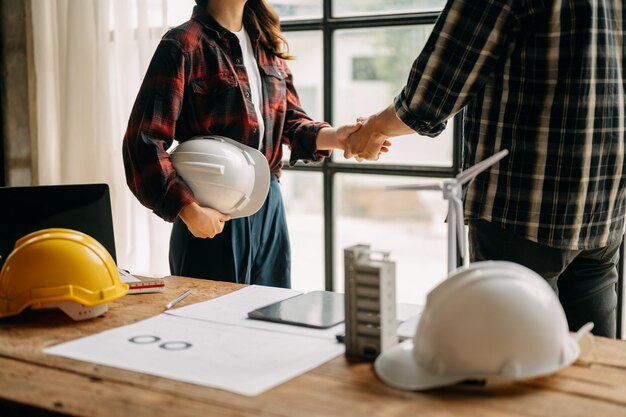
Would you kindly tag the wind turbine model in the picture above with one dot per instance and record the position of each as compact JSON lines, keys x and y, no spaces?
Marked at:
{"x":452,"y":191}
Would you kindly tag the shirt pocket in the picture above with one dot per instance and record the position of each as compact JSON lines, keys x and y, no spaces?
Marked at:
{"x":214,"y":84}
{"x":213,"y":98}
{"x":275,"y":84}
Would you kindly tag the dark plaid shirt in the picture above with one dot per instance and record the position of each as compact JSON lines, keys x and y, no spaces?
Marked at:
{"x":545,"y":80}
{"x":197,"y":84}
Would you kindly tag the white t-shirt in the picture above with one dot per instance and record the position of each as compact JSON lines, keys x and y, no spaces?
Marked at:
{"x":254,"y":78}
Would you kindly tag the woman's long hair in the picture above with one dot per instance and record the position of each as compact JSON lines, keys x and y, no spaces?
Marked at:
{"x":260,"y":15}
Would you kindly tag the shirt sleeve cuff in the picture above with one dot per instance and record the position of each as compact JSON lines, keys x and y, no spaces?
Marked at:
{"x":404,"y":113}
{"x":304,"y":147}
{"x":177,"y":196}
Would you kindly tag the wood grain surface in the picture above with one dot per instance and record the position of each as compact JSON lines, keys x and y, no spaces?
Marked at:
{"x":594,"y":386}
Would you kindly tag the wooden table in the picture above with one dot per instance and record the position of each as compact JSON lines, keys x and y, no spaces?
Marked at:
{"x":32,"y":383}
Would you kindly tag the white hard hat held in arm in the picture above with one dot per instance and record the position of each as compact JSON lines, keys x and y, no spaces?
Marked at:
{"x":223,"y":174}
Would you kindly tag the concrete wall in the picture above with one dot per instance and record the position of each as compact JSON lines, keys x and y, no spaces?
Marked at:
{"x":17,"y":119}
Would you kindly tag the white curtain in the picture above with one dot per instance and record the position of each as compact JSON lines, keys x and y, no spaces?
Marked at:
{"x":90,"y":58}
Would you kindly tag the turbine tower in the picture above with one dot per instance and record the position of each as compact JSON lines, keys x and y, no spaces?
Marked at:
{"x":452,"y":189}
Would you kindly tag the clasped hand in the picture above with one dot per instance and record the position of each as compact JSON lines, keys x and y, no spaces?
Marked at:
{"x":366,"y":143}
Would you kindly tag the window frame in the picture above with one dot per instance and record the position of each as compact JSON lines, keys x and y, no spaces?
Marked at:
{"x":328,"y":24}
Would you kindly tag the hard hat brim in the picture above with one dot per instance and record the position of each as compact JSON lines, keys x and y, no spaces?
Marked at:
{"x":398,"y":368}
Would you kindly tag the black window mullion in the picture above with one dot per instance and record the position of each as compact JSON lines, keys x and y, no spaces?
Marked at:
{"x":356,"y":168}
{"x":328,"y":24}
{"x":359,"y":22}
{"x":328,"y":180}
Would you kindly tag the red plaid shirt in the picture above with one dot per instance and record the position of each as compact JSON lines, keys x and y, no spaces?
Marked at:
{"x":197,"y":84}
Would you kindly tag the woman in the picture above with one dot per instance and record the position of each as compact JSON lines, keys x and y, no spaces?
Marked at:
{"x":223,"y":72}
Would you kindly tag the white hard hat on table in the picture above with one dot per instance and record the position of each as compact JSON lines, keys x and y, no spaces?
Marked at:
{"x":493,"y":321}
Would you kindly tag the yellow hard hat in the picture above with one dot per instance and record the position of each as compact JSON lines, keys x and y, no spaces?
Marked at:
{"x":60,"y":268}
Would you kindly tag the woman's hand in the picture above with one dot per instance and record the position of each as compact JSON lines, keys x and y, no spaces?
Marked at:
{"x":366,"y":143}
{"x":342,"y":133}
{"x":329,"y":138}
{"x":336,"y":137}
{"x":203,"y":222}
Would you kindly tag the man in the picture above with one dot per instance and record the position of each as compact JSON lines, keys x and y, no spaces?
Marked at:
{"x":543,"y":79}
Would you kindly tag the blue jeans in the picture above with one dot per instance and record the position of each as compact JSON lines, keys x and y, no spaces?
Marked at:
{"x":584,"y":280}
{"x":250,"y":250}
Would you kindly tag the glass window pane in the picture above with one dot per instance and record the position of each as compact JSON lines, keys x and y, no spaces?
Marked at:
{"x":307,"y":71}
{"x":371,"y":67}
{"x":304,"y":205}
{"x":297,"y":9}
{"x":366,"y":7}
{"x":178,"y":11}
{"x":408,"y":224}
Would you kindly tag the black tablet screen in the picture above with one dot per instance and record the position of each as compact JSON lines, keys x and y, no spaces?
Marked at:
{"x":319,"y":309}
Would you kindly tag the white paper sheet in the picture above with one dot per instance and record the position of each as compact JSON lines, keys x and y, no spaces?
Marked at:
{"x":214,"y":343}
{"x":243,"y":360}
{"x":407,"y":312}
{"x":233,"y":309}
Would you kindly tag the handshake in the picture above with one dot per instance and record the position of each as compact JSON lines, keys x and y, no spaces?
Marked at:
{"x":367,"y":139}
{"x":364,"y":142}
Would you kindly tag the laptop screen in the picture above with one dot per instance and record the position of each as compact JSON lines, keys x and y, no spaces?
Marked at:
{"x":82,"y":207}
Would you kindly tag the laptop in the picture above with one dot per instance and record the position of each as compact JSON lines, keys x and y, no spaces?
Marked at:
{"x":82,"y":207}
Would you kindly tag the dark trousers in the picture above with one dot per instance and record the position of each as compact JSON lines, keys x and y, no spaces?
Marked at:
{"x":583,"y":279}
{"x":250,"y":250}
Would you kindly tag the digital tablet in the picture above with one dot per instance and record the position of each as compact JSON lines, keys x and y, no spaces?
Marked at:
{"x":317,"y":309}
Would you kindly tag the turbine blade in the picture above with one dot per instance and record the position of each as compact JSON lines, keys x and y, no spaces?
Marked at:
{"x":429,"y":187}
{"x":471,"y":172}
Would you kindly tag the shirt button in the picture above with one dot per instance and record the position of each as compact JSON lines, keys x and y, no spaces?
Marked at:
{"x":247,"y":94}
{"x":238,"y":61}
{"x":255,"y":130}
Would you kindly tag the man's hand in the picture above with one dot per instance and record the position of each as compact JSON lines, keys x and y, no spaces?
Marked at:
{"x":366,"y":143}
{"x":203,"y":222}
{"x":372,"y":139}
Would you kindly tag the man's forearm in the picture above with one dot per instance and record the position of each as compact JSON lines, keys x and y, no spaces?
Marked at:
{"x":387,"y":123}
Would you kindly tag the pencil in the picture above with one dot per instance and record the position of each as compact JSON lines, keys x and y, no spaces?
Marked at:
{"x":177,"y":299}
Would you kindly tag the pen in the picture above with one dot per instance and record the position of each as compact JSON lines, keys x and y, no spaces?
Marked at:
{"x":177,"y":299}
